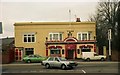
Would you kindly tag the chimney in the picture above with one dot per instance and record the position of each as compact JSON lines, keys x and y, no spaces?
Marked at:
{"x":78,"y":20}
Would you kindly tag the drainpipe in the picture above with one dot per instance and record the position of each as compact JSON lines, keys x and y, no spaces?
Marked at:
{"x":46,"y":50}
{"x":46,"y":46}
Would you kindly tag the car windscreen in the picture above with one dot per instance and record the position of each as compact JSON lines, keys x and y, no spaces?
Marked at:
{"x":62,"y":59}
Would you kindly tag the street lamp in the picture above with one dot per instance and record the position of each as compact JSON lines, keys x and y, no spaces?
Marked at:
{"x":109,"y":38}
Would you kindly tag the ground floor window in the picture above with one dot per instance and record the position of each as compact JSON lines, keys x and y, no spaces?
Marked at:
{"x":63,"y":51}
{"x":55,"y":51}
{"x":29,"y":51}
{"x":86,"y":50}
{"x":78,"y":50}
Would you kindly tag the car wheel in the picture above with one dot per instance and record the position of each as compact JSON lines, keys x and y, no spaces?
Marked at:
{"x":63,"y":67}
{"x":102,"y":59}
{"x":28,"y":61}
{"x":47,"y":66}
{"x":88,"y":59}
{"x":72,"y":67}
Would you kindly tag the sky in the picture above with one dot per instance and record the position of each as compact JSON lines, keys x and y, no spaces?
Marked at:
{"x":12,"y":11}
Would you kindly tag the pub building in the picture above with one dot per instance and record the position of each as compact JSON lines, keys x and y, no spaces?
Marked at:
{"x":64,"y":39}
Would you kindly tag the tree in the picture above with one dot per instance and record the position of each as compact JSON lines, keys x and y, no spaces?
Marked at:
{"x":118,"y":27}
{"x":106,"y":18}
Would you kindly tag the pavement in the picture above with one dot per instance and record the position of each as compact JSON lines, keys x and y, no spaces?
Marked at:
{"x":78,"y":61}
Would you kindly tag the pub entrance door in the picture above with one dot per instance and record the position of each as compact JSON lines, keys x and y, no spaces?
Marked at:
{"x":70,"y":54}
{"x":70,"y":51}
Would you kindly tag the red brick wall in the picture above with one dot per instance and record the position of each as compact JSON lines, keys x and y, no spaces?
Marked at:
{"x":5,"y":59}
{"x":8,"y":57}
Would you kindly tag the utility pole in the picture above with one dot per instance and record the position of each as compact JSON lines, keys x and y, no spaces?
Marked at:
{"x":70,"y":29}
{"x":70,"y":18}
{"x":109,"y":38}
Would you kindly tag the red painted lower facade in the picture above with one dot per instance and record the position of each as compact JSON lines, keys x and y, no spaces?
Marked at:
{"x":70,"y":48}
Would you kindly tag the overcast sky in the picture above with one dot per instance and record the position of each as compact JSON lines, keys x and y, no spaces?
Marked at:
{"x":12,"y":11}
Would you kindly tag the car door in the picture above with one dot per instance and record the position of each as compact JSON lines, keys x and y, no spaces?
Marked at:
{"x":57,"y":62}
{"x":31,"y":58}
{"x":51,"y":61}
{"x":96,"y":57}
{"x":37,"y":58}
{"x":34,"y":58}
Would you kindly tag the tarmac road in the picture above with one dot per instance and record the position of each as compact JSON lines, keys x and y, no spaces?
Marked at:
{"x":83,"y":67}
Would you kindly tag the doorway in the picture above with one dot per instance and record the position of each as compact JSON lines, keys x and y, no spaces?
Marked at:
{"x":70,"y":47}
{"x":70,"y":51}
{"x":70,"y":54}
{"x":18,"y":54}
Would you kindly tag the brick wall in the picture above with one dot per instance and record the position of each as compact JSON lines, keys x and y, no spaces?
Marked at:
{"x":8,"y":57}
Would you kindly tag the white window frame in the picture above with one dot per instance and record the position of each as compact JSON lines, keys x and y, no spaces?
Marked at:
{"x":54,"y":39}
{"x":30,"y":36}
{"x":55,"y":50}
{"x":29,"y":48}
{"x":81,"y":34}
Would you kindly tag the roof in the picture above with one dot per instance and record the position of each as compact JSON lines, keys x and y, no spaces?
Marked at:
{"x":51,"y":23}
{"x":7,"y":41}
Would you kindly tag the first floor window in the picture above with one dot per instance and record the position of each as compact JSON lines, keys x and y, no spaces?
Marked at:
{"x":54,"y":51}
{"x":29,"y":51}
{"x":55,"y":36}
{"x":79,"y":36}
{"x":29,"y":37}
{"x":84,"y":36}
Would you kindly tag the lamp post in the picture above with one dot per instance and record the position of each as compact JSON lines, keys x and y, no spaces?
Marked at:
{"x":109,"y":38}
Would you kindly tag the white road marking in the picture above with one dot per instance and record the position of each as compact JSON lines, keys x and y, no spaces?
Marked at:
{"x":83,"y":71}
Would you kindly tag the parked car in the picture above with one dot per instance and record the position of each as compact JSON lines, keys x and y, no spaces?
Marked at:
{"x":59,"y":62}
{"x":33,"y":58}
{"x":92,"y":56}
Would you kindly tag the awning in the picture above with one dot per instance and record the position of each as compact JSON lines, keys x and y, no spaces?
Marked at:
{"x":86,"y":46}
{"x":55,"y":47}
{"x":71,"y":46}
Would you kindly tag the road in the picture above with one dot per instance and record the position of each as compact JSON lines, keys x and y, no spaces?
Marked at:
{"x":83,"y":67}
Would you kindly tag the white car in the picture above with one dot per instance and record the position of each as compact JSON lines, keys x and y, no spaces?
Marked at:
{"x":92,"y":56}
{"x":59,"y":62}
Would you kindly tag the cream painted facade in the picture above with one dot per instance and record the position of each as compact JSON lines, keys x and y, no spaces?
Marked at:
{"x":46,"y":35}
